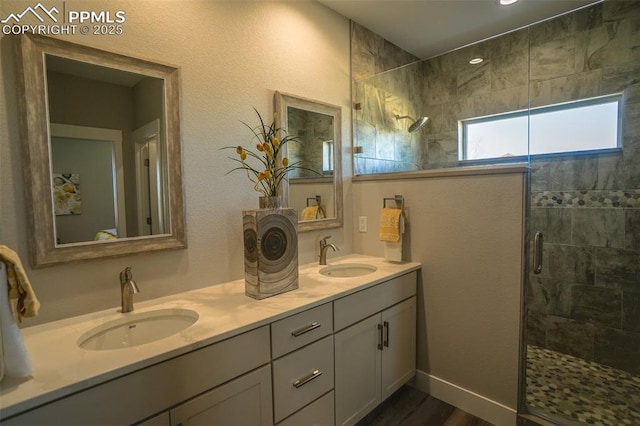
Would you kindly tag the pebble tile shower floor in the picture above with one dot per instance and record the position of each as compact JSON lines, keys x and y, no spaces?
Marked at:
{"x":581,"y":391}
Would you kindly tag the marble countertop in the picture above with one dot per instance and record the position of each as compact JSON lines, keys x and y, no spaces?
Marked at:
{"x":62,"y":368}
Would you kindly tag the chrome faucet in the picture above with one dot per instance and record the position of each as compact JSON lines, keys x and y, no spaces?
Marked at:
{"x":128,"y":288}
{"x":324,"y":247}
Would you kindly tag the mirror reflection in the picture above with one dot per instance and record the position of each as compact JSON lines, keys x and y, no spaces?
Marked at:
{"x":315,"y":148}
{"x":311,"y":188}
{"x":112,"y":149}
{"x":314,"y":191}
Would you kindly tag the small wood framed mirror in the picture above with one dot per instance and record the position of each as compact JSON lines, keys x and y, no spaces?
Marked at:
{"x":316,"y":190}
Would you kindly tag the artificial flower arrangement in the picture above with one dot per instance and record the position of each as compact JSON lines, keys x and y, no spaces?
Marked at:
{"x":269,"y":167}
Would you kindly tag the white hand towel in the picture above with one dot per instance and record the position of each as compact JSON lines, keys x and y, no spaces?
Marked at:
{"x":393,"y":251}
{"x":14,"y":360}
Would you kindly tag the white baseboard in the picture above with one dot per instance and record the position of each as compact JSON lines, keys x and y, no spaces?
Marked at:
{"x":478,"y":405}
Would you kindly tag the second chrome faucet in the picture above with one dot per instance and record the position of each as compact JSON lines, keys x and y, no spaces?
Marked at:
{"x":324,"y":247}
{"x":128,"y":288}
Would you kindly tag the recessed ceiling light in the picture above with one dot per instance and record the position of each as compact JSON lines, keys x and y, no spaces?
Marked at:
{"x":476,"y":61}
{"x":507,"y":2}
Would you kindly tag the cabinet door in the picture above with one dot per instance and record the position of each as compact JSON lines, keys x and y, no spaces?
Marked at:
{"x":243,"y":401}
{"x":357,"y":367}
{"x":399,"y":346}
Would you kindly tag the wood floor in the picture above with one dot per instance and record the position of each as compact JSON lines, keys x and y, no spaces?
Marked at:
{"x":410,"y":407}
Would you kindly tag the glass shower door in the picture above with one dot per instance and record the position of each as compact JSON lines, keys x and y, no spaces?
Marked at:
{"x":582,"y":324}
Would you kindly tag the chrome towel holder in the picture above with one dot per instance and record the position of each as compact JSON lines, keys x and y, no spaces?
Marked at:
{"x":399,"y":200}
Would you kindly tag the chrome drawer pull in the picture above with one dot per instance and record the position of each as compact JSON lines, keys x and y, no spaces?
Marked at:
{"x":301,"y":382}
{"x":386,"y":338}
{"x":306,"y":329}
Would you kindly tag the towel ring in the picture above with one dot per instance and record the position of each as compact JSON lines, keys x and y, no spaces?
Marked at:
{"x":317,"y":199}
{"x":399,"y":200}
{"x":320,"y":214}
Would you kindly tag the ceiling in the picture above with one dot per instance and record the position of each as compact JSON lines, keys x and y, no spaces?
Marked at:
{"x":428,"y":28}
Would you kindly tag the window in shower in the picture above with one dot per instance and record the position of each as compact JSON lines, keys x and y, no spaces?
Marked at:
{"x":582,"y":126}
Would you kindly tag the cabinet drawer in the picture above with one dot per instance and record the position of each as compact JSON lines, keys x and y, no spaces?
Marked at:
{"x":358,"y":306}
{"x":294,"y":382}
{"x":301,"y":329}
{"x":318,"y":413}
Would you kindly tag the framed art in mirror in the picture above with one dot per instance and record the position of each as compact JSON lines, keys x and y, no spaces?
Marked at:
{"x":101,"y":134}
{"x":315,"y":190}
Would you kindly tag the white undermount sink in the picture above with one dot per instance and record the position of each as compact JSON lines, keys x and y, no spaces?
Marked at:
{"x":137,"y":329}
{"x":347,"y":270}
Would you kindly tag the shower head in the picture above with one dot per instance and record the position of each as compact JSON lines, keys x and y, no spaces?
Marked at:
{"x":416,"y":125}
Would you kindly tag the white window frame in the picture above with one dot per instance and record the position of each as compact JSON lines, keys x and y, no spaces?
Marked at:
{"x":463,"y":124}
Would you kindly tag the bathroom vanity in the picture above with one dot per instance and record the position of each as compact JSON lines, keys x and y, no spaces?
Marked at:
{"x":243,"y":361}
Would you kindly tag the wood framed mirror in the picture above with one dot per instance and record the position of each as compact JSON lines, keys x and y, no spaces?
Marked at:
{"x":101,"y":133}
{"x":315,"y":193}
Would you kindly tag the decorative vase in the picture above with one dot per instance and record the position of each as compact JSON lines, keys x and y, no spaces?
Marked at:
{"x":270,"y":202}
{"x":270,"y":249}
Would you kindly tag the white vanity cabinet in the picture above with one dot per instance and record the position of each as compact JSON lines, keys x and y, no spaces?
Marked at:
{"x":375,"y":347}
{"x":145,"y":393}
{"x":323,"y":356}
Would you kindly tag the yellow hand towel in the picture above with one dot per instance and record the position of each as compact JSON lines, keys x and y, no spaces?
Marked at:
{"x":19,"y":286}
{"x":390,"y":225}
{"x":309,"y":213}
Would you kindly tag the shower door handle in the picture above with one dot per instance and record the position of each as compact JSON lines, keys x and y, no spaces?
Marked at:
{"x":537,"y":253}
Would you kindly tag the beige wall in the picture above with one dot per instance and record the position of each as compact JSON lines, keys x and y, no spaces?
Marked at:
{"x":467,"y":233}
{"x":233,"y":55}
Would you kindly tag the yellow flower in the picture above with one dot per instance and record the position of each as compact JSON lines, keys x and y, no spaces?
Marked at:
{"x":265,"y":169}
{"x":241,"y":152}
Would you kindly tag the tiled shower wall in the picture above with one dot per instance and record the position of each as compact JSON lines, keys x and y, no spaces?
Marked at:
{"x":587,"y":300}
{"x":380,"y":96}
{"x":311,"y":130}
{"x":446,"y":89}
